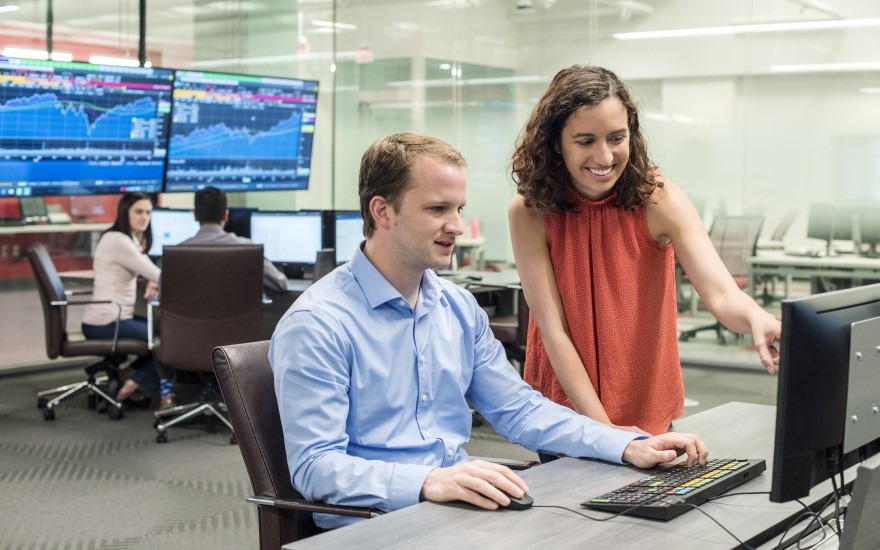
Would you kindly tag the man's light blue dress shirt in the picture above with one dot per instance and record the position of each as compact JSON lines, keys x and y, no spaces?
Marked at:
{"x":373,"y":395}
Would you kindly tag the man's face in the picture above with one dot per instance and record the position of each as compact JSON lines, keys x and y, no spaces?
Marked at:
{"x":428,"y":219}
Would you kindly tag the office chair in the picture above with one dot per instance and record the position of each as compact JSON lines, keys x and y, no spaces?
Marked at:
{"x":246,"y":381}
{"x":512,"y":330}
{"x":735,"y":239}
{"x":210,"y":296}
{"x":113,"y":352}
{"x":325,"y":262}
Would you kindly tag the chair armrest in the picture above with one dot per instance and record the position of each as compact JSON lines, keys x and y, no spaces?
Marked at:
{"x":302,"y":505}
{"x":150,"y":305}
{"x":511,"y":463}
{"x":79,"y":292}
{"x":58,"y":303}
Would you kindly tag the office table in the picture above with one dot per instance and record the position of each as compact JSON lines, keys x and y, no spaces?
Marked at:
{"x":568,"y":482}
{"x":778,"y":264}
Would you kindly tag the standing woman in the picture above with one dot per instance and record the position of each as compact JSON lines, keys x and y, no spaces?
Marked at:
{"x":593,"y":227}
{"x":120,"y":258}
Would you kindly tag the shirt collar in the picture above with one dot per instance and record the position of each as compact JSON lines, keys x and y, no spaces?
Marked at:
{"x":211,"y":228}
{"x":378,"y":290}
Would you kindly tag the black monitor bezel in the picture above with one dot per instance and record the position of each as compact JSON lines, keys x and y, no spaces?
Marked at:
{"x":812,"y":389}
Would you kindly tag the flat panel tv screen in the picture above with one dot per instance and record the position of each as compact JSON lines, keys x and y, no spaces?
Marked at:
{"x":77,"y":128}
{"x":240,"y":133}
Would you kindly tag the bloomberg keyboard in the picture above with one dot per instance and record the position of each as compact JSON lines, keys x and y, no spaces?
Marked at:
{"x":671,"y":492}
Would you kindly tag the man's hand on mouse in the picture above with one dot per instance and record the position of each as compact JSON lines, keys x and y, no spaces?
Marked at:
{"x":647,"y":453}
{"x":480,"y":483}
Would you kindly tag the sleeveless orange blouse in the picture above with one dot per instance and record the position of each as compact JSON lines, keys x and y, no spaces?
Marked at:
{"x":618,"y":291}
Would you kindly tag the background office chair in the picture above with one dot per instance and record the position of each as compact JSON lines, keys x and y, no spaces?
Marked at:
{"x":210,"y":296}
{"x":112,"y":352}
{"x":245,"y":378}
{"x":512,"y":330}
{"x":735,"y":239}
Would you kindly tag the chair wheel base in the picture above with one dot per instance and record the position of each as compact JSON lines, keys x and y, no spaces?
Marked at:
{"x":114,"y":413}
{"x":41,"y":402}
{"x":162,"y":437}
{"x":48,"y":414}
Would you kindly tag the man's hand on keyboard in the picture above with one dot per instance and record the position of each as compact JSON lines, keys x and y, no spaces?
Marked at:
{"x":647,"y":453}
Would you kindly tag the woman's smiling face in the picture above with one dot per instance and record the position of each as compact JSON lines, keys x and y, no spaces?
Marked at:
{"x":595,"y":147}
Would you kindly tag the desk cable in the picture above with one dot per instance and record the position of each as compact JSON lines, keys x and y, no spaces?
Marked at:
{"x":816,"y":515}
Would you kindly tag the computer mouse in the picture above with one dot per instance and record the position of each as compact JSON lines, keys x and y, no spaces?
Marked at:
{"x":521,"y":503}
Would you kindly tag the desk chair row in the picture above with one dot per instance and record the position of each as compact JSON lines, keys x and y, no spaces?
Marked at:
{"x":210,"y":295}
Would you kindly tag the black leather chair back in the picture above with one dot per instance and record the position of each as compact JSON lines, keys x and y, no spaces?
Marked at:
{"x":51,"y":290}
{"x":245,"y":378}
{"x":210,"y":296}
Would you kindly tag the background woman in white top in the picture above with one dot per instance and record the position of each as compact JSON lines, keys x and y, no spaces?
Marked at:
{"x":119,"y":258}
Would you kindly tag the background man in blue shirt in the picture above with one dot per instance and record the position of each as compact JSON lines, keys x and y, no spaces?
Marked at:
{"x":376,"y":363}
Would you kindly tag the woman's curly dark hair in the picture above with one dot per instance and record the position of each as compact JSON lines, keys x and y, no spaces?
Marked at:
{"x":538,"y":168}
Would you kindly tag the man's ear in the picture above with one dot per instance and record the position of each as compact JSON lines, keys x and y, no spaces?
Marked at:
{"x":380,"y":209}
{"x":226,"y":215}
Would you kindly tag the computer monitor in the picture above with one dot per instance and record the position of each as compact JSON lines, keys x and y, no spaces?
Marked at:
{"x":290,"y":239}
{"x":239,"y":221}
{"x":820,"y":221}
{"x":814,"y":434}
{"x":240,"y":133}
{"x":78,"y":128}
{"x":171,"y":227}
{"x":869,"y":223}
{"x":348,"y":232}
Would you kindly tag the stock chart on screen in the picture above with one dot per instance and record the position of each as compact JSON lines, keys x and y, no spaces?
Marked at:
{"x":77,"y":128}
{"x":240,"y":133}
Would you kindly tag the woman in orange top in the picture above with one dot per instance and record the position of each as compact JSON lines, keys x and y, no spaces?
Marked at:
{"x":593,"y":227}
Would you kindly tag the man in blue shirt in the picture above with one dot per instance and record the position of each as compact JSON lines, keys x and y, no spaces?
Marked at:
{"x":375,"y":364}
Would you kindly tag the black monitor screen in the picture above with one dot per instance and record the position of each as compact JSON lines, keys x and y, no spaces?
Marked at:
{"x":820,"y":222}
{"x":171,"y":227}
{"x":77,"y":128}
{"x":288,"y":237}
{"x":813,"y":388}
{"x":239,"y":221}
{"x":348,"y":232}
{"x":869,"y":222}
{"x":240,"y":133}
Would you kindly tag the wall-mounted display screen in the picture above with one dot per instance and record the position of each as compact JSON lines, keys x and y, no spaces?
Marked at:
{"x":240,"y":133}
{"x":77,"y":128}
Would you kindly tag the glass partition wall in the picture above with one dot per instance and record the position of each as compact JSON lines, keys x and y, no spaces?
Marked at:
{"x":751,"y":106}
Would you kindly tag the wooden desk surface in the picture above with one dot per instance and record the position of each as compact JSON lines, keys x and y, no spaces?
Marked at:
{"x":731,"y":430}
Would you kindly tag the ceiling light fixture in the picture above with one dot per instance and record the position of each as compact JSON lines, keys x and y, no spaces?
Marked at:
{"x":870,"y":90}
{"x":334,"y":25}
{"x":4,"y":9}
{"x":827,"y":67}
{"x":117,"y":61}
{"x":42,"y":55}
{"x":751,"y":29}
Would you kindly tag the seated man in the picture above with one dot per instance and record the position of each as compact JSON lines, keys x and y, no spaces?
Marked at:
{"x":212,"y":214}
{"x":375,"y":364}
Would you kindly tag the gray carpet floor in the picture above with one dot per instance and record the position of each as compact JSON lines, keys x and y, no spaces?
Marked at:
{"x":83,"y":481}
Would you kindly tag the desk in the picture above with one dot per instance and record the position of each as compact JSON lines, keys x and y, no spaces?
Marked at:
{"x":788,"y":267}
{"x":568,"y":482}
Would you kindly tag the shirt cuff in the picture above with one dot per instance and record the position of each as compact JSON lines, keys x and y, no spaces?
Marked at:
{"x":610,"y":445}
{"x":406,"y":484}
